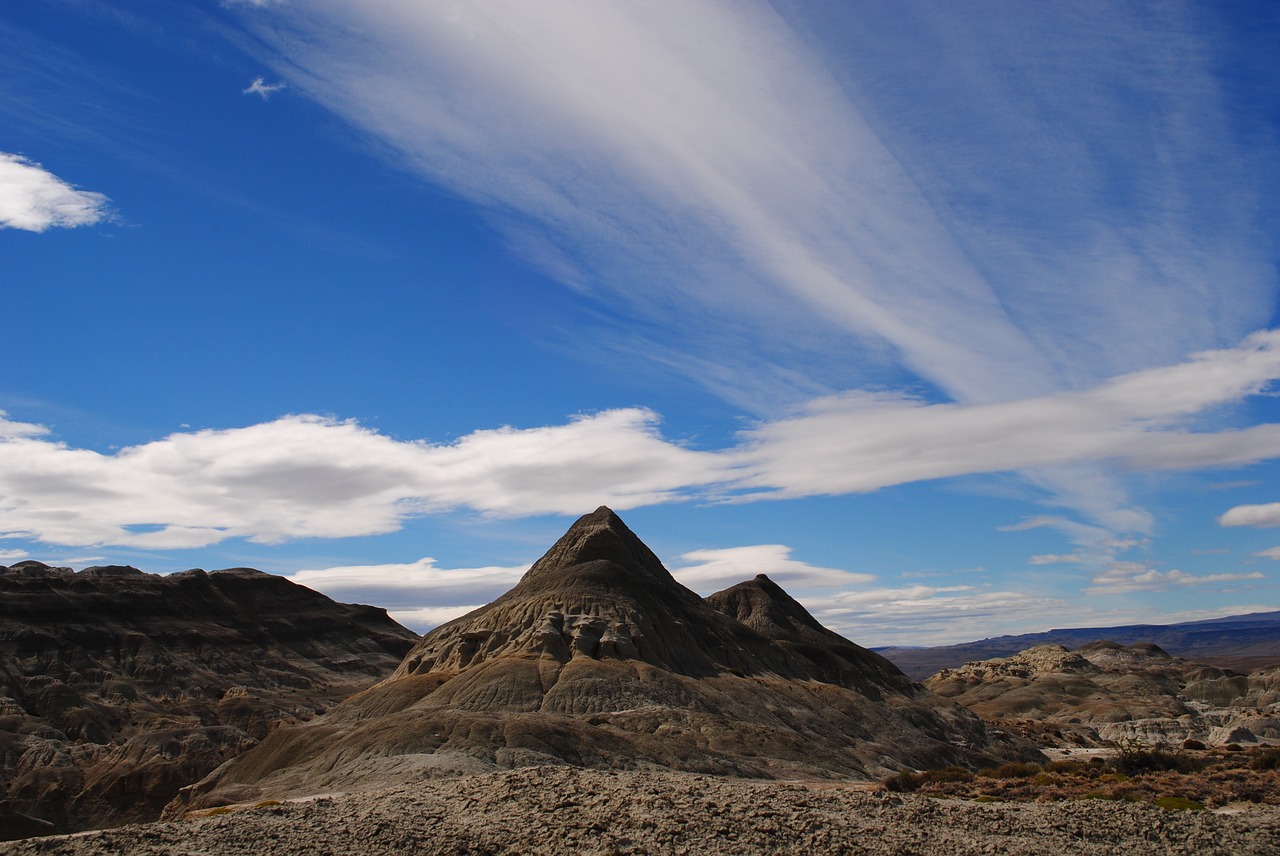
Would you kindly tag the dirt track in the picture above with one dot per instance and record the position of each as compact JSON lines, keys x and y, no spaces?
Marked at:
{"x":560,"y":810}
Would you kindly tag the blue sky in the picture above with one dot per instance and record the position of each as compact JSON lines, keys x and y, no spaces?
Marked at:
{"x":955,"y":320}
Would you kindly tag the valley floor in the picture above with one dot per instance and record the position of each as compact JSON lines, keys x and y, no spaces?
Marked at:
{"x":558,"y":810}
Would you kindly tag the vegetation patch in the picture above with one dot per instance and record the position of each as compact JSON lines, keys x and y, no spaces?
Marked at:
{"x":1179,"y":804}
{"x":1210,"y":779}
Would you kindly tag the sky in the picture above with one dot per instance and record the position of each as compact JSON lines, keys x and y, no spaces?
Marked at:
{"x":956,"y":320}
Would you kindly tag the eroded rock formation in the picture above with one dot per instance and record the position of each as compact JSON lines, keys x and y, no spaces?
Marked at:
{"x":118,"y":687}
{"x":1105,"y":692}
{"x":599,"y":658}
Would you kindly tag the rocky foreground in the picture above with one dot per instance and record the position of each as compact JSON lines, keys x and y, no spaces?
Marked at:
{"x":570,"y":810}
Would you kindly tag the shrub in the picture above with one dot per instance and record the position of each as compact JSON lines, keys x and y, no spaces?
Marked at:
{"x":1267,"y":759}
{"x":1135,"y":759}
{"x":953,"y":773}
{"x":1233,"y":747}
{"x":1112,"y":796}
{"x":1011,"y":770}
{"x":1193,"y":744}
{"x":1179,"y":804}
{"x":902,"y":782}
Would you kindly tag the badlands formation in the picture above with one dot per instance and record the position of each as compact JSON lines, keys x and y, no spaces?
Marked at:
{"x":119,"y":687}
{"x":1104,"y":693}
{"x":599,"y":658}
{"x":599,"y":707}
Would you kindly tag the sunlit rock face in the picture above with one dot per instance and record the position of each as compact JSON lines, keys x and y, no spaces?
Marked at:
{"x":1104,"y":692}
{"x":119,"y":687}
{"x":599,"y":658}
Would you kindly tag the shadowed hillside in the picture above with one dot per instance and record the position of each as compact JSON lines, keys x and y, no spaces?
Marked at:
{"x":118,"y":687}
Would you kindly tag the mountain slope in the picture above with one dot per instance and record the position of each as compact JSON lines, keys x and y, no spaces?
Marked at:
{"x":118,"y":687}
{"x":599,"y":658}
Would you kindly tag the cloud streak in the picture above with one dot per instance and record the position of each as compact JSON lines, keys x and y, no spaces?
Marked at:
{"x":35,"y":200}
{"x":1002,"y":229}
{"x":1128,"y":577}
{"x":808,"y":198}
{"x":262,"y":88}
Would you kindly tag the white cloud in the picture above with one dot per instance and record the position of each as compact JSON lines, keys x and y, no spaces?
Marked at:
{"x":307,"y":476}
{"x":10,"y":430}
{"x":412,"y":587}
{"x":1134,"y":421}
{"x":34,"y":199}
{"x":1271,"y":553}
{"x":426,"y":618}
{"x":931,"y":615}
{"x":260,"y":87}
{"x":1261,"y":516}
{"x":1056,"y":559}
{"x":12,"y":555}
{"x":707,"y":571}
{"x":1126,"y":577}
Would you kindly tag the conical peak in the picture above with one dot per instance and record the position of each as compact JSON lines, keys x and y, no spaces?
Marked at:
{"x":763,"y":605}
{"x":600,"y":593}
{"x":601,"y":541}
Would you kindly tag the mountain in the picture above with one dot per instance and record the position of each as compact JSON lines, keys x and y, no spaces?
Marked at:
{"x":762,"y":605}
{"x":1241,"y":642}
{"x":117,"y":687}
{"x":599,"y":658}
{"x":1105,"y":692}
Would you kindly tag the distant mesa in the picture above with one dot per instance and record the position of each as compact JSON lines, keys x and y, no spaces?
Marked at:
{"x":599,"y":658}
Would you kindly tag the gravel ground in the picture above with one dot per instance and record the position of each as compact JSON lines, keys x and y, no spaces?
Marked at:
{"x":561,"y":810}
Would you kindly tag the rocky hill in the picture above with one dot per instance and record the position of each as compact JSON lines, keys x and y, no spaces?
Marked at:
{"x":599,"y":658}
{"x":117,"y":687}
{"x":1239,"y":642}
{"x":1106,"y":692}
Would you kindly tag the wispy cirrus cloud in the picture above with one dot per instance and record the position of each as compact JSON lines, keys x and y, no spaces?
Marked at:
{"x":34,"y":199}
{"x":931,"y":615}
{"x":307,"y":476}
{"x":1128,"y":577}
{"x":1005,"y":205}
{"x":1056,"y":559}
{"x":261,"y":88}
{"x":1003,"y":229}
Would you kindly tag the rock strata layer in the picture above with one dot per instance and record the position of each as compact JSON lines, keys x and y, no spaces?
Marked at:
{"x":118,"y":687}
{"x":599,"y":658}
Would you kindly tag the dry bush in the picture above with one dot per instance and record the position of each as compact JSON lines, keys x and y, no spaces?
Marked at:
{"x":1214,"y":778}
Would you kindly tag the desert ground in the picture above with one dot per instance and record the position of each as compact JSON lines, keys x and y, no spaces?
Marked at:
{"x":559,"y":810}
